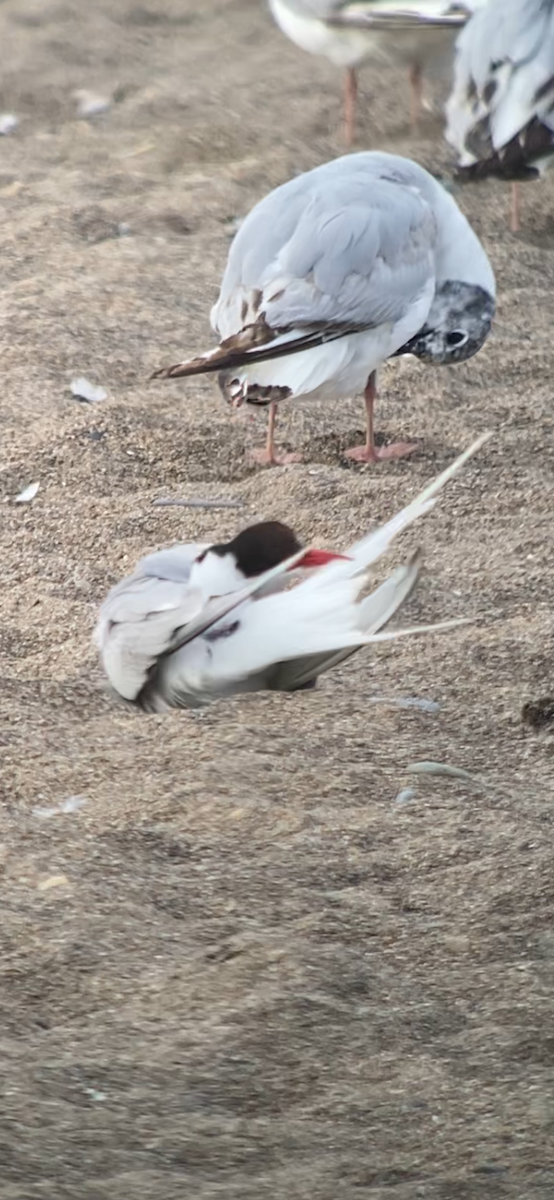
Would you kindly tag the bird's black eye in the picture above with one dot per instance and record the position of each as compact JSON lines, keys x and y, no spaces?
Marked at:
{"x":456,"y":338}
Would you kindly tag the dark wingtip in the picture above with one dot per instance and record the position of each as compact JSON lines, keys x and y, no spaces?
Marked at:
{"x":168,"y":372}
{"x":206,"y":364}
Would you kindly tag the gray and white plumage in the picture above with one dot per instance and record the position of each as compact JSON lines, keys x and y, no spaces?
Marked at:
{"x":349,"y":32}
{"x":500,"y":114}
{"x":361,"y":259}
{"x":186,"y":628}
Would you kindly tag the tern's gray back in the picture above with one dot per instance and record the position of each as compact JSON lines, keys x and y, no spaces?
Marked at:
{"x":174,"y":563}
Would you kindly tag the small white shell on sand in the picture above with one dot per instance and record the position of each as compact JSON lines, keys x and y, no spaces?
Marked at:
{"x":83,"y":389}
{"x":89,"y":104}
{"x":27,"y":494}
{"x":405,"y":796}
{"x":72,"y":804}
{"x":8,"y":124}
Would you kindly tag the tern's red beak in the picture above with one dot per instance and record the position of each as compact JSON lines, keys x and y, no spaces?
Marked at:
{"x":318,"y":558}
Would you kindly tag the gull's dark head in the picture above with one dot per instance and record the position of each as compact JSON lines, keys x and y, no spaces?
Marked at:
{"x":458,"y":324}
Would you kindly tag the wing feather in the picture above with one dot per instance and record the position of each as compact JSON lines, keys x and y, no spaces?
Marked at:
{"x":355,"y":256}
{"x":137,"y":624}
{"x":375,"y":611}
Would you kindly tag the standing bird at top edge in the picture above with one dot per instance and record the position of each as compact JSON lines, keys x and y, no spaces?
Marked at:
{"x":362,"y":259}
{"x":416,"y":35}
{"x":500,"y":114}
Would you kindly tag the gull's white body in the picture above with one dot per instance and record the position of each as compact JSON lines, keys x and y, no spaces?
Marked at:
{"x":167,"y":640}
{"x":344,"y":48}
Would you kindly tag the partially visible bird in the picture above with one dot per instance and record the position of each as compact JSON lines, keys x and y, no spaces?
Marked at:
{"x":361,"y":259}
{"x":500,"y":114}
{"x":415,"y":34}
{"x":258,"y":613}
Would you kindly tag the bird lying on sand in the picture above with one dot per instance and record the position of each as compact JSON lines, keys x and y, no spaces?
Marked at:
{"x":364,"y":258}
{"x":500,"y":114}
{"x":258,"y":613}
{"x":416,"y":34}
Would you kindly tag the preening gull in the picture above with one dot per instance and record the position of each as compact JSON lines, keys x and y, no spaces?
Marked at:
{"x":364,"y":258}
{"x":258,"y":613}
{"x":415,"y":35}
{"x":500,"y":114}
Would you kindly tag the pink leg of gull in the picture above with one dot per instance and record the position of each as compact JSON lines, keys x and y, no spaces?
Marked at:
{"x":416,"y":97}
{"x":350,"y":97}
{"x":369,"y":452}
{"x":515,"y":214}
{"x":267,"y":456}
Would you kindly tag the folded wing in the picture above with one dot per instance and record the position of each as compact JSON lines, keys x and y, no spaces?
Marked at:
{"x":391,"y":17}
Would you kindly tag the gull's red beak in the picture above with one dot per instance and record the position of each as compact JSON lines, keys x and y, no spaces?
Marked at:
{"x":318,"y":558}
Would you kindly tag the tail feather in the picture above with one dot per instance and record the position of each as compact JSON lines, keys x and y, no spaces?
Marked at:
{"x":203,"y":365}
{"x":377,"y":609}
{"x":232,"y":352}
{"x":390,"y":635}
{"x":374,"y":612}
{"x":362,"y":554}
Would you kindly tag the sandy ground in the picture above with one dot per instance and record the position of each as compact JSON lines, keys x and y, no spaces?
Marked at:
{"x":240,"y":969}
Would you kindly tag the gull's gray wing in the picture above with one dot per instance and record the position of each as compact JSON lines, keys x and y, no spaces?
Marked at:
{"x":355,"y":245}
{"x":378,"y":14}
{"x":399,"y":16}
{"x":333,"y":251}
